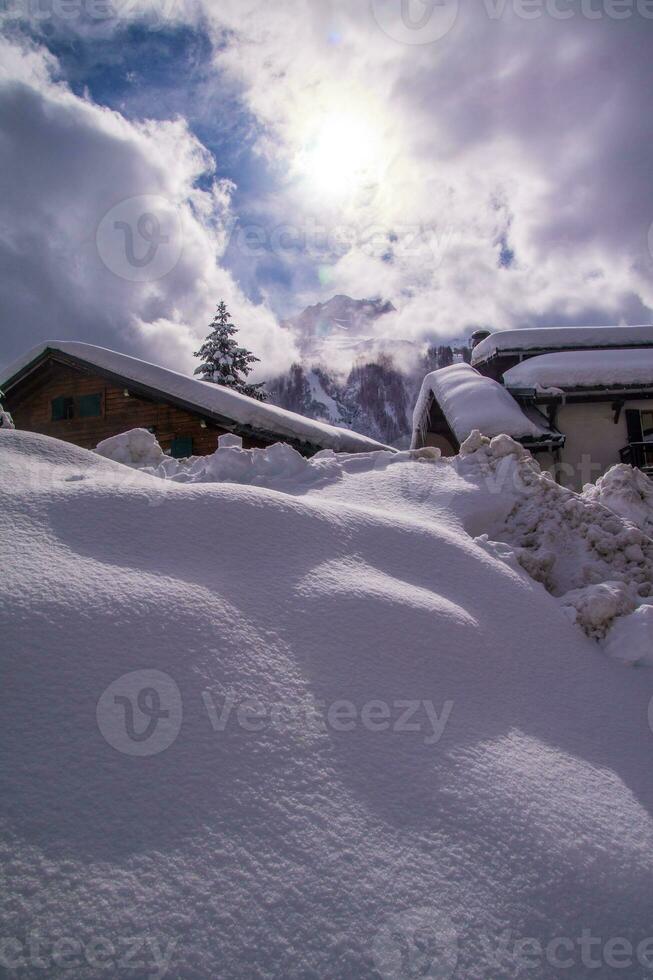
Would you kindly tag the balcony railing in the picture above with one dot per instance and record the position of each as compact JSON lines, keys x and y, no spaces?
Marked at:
{"x":639,"y":454}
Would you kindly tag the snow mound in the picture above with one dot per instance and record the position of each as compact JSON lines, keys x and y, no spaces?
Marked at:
{"x":626,"y":491}
{"x":137,"y":447}
{"x":597,"y":563}
{"x":272,"y":734}
{"x":631,"y":638}
{"x":276,"y":466}
{"x":597,"y":606}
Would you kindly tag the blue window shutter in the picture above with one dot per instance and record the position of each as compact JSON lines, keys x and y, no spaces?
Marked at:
{"x":90,"y":406}
{"x":58,"y":409}
{"x":181,"y":447}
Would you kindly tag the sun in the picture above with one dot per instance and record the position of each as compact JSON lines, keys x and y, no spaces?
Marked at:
{"x":341,"y":155}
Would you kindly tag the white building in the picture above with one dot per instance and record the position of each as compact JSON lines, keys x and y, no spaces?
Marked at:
{"x":579,"y":398}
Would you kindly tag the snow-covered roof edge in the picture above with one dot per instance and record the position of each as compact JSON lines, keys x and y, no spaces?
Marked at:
{"x":468,"y":400}
{"x":589,"y":370}
{"x":203,"y":396}
{"x":559,"y":338}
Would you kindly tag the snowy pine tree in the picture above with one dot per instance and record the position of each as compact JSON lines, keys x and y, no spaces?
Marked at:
{"x":223,"y":361}
{"x":6,"y":421}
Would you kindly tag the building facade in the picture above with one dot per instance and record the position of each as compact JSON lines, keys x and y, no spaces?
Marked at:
{"x":589,"y":391}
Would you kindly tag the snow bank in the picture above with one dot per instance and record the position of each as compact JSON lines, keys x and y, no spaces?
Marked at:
{"x":586,"y":369}
{"x":597,"y":564}
{"x":626,"y":491}
{"x":276,"y":466}
{"x":137,"y":447}
{"x":312,"y":733}
{"x":560,"y":338}
{"x":470,"y":401}
{"x":631,"y":638}
{"x":212,"y":398}
{"x":591,"y":550}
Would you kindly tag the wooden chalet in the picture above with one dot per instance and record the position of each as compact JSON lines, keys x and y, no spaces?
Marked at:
{"x":84,"y":394}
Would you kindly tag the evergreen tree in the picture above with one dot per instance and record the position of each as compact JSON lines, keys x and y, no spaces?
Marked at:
{"x":223,"y":361}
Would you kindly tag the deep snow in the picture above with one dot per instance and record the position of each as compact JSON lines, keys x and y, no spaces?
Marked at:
{"x":300,"y":837}
{"x":471,"y":401}
{"x":552,"y":338}
{"x":583,"y":369}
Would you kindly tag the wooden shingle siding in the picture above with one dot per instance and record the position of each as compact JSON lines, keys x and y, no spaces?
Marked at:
{"x":30,"y":403}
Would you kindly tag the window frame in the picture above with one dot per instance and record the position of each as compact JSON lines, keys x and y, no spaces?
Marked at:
{"x":97,"y":396}
{"x":67,"y":411}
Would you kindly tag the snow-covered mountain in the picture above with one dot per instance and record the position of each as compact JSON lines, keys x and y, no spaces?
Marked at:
{"x":349,"y":375}
{"x":339,"y":330}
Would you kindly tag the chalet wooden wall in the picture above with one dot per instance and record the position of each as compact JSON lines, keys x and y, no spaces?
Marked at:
{"x":30,"y":403}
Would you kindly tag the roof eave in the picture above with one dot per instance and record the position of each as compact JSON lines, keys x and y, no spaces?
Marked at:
{"x":151,"y":393}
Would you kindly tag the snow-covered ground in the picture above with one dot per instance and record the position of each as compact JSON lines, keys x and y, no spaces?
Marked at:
{"x":351,"y":717}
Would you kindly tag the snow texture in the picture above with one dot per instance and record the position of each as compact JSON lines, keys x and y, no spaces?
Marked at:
{"x":626,"y":491}
{"x":557,"y":338}
{"x":599,"y":565}
{"x":284,"y":836}
{"x":588,"y":369}
{"x":631,"y":638}
{"x":210,"y":397}
{"x":470,"y":401}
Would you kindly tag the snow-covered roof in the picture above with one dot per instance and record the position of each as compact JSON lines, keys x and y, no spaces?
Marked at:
{"x":469,"y":401}
{"x":561,"y":338}
{"x":211,"y":398}
{"x":584,"y":369}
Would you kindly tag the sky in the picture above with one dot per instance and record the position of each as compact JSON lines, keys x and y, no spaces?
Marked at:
{"x":479,"y":163}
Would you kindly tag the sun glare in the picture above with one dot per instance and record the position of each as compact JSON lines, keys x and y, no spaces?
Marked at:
{"x":342,"y":155}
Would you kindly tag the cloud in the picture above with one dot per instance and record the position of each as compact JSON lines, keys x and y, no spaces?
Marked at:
{"x":512,"y":179}
{"x":112,"y":230}
{"x":498,"y":175}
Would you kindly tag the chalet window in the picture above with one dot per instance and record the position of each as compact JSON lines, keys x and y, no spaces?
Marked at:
{"x":640,"y":425}
{"x":181,"y":447}
{"x":63,"y":408}
{"x":90,"y":406}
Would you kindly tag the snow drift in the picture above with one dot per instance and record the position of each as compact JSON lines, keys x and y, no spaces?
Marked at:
{"x":313,"y":733}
